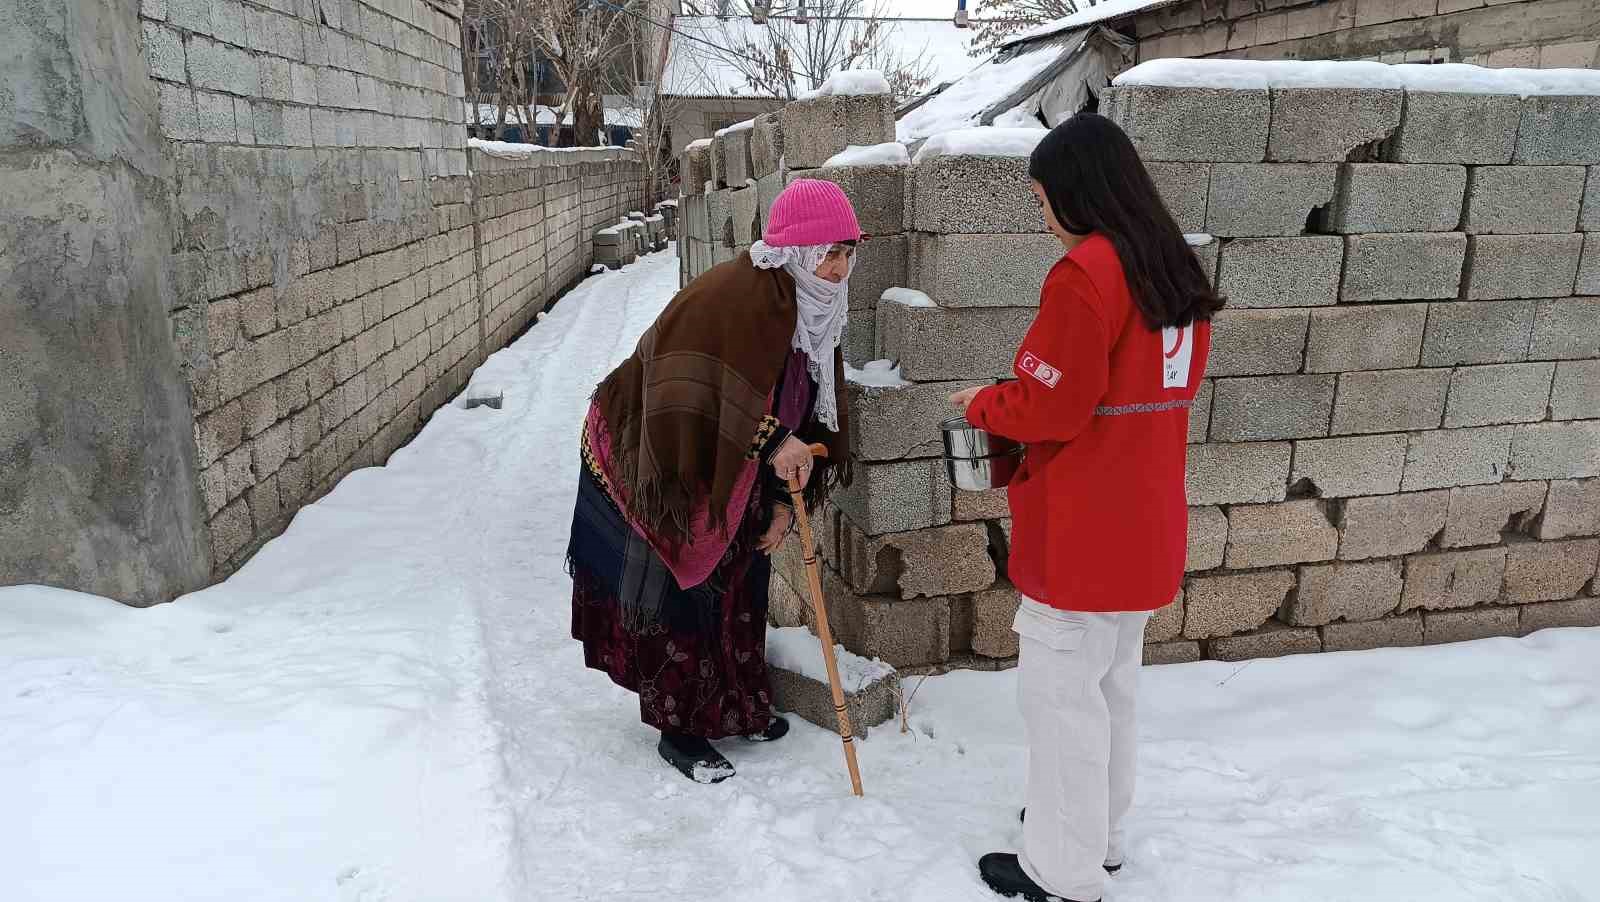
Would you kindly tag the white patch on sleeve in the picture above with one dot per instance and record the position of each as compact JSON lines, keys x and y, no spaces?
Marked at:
{"x":1177,"y":351}
{"x":1040,"y":370}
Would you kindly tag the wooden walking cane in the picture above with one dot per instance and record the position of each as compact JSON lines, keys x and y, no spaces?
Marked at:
{"x":824,"y":631}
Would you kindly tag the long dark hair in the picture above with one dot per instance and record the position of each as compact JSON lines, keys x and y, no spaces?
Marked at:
{"x":1095,"y":182}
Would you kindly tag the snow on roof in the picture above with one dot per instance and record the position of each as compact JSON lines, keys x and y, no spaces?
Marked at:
{"x":959,"y":105}
{"x":696,"y":70}
{"x":1089,"y":15}
{"x":1447,"y":78}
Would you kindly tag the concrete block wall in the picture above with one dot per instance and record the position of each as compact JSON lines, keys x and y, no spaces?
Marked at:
{"x":1398,"y":440}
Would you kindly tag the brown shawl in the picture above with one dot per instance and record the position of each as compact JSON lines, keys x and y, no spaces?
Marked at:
{"x":685,"y":409}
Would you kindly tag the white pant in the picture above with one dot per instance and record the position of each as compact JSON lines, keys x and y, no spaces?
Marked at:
{"x":1077,"y":685}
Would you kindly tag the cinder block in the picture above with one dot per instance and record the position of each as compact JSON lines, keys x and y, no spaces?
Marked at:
{"x":1194,"y":124}
{"x":1184,"y":188}
{"x":696,"y":169}
{"x":1300,"y":129}
{"x":811,"y":700}
{"x":1165,"y":624}
{"x":1250,"y":473}
{"x":1349,"y":467}
{"x":768,"y":187}
{"x":1390,"y":401}
{"x":1232,"y":603}
{"x":1456,"y":128}
{"x":993,"y":611}
{"x":948,"y":560}
{"x":1266,"y":199}
{"x":1523,"y":200}
{"x":766,"y":146}
{"x":1452,"y":457}
{"x":1158,"y":653}
{"x":1566,"y":329}
{"x":1200,"y":413}
{"x":943,"y":343}
{"x":1589,"y":265}
{"x":900,"y":423}
{"x":1269,"y":408}
{"x":1566,"y":450}
{"x":1490,"y":395}
{"x":815,"y":130}
{"x":1453,"y":579}
{"x":968,"y":506}
{"x":1589,"y":218}
{"x":1390,"y":632}
{"x":878,"y":194}
{"x":742,"y":206}
{"x":1208,"y":254}
{"x":1390,"y":525}
{"x":1579,"y":612}
{"x":733,"y":152}
{"x":979,"y":270}
{"x":1281,"y":272}
{"x":1522,"y":266}
{"x":1572,"y":508}
{"x":1483,"y":515}
{"x":1271,"y":535}
{"x":1461,"y":333}
{"x":1329,"y":592}
{"x":1550,"y":571}
{"x":897,"y":497}
{"x":1271,"y":641}
{"x":1403,"y":266}
{"x":969,"y":194}
{"x":719,"y":218}
{"x":1258,"y":342}
{"x":1393,"y":197}
{"x":1379,"y":337}
{"x":1559,"y":129}
{"x":1468,"y":625}
{"x":1208,"y":538}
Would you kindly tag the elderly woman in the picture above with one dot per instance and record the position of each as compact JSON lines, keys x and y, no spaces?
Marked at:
{"x":687,"y":450}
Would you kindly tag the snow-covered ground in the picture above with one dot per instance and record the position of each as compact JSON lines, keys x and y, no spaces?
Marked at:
{"x":385,"y":705}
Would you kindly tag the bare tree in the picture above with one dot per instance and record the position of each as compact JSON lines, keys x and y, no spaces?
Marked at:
{"x":1005,"y":18}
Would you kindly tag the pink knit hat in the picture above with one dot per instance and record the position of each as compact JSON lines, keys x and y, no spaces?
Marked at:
{"x":811,"y":212}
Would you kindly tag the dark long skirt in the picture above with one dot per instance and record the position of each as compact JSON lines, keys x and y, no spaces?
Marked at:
{"x":703,"y":671}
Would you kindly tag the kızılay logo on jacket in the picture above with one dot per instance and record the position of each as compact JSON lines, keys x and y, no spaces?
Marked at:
{"x":1177,"y":351}
{"x":1040,"y":370}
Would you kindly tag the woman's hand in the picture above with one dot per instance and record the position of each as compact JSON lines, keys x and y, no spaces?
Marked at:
{"x":963,"y":399}
{"x":782,"y":516}
{"x":793,"y":461}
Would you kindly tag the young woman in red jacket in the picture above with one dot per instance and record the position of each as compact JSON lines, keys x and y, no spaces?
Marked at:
{"x":1104,"y":381}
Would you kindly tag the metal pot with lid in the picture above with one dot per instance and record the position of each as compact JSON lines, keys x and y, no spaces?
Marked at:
{"x":978,"y":461}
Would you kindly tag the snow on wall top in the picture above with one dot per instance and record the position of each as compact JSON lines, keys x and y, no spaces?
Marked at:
{"x":1089,"y":15}
{"x":876,"y":374}
{"x":890,"y":154}
{"x":851,"y":82}
{"x":794,"y":649}
{"x":982,"y":142}
{"x":1447,"y":78}
{"x":625,"y":117}
{"x":506,"y":150}
{"x":744,"y":126}
{"x":960,"y":105}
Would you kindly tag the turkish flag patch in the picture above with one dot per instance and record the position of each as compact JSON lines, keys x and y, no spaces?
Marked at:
{"x":1040,"y":370}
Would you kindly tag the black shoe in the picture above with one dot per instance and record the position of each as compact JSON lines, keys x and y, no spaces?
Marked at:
{"x":1004,"y":874}
{"x":777,"y":728}
{"x":1111,"y":869}
{"x":694,"y":758}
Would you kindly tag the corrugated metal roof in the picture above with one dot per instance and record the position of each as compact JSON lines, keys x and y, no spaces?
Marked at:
{"x":1089,"y":15}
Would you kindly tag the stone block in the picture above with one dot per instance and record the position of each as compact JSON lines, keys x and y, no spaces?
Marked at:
{"x":1403,"y":266}
{"x":163,"y":48}
{"x":1225,"y":604}
{"x":979,"y":270}
{"x":1251,"y":473}
{"x":1266,"y":199}
{"x":1522,"y":266}
{"x":1300,"y":123}
{"x":1483,"y":515}
{"x":1184,"y":188}
{"x":1270,"y":408}
{"x":1272,"y":535}
{"x":1350,"y":467}
{"x":1378,"y":337}
{"x":179,"y":119}
{"x":1194,"y":124}
{"x":1390,"y":401}
{"x":1454,"y":457}
{"x":1166,"y":624}
{"x":1566,"y":329}
{"x":901,"y":633}
{"x":1572,"y":508}
{"x":992,"y":613}
{"x":1589,"y":265}
{"x":733,"y":152}
{"x":966,"y":507}
{"x":1271,"y":641}
{"x":811,"y":700}
{"x":1509,"y":393}
{"x":1200,"y":412}
{"x":944,"y":343}
{"x":948,"y":560}
{"x":1208,"y":538}
{"x":1559,"y":129}
{"x":1523,"y":200}
{"x":742,"y":206}
{"x":1563,"y":450}
{"x":814,"y":130}
{"x":768,"y":187}
{"x":1157,"y":653}
{"x":897,"y":497}
{"x":766,"y":146}
{"x":972,"y":195}
{"x":1281,"y":272}
{"x":1456,"y":128}
{"x":1578,"y":612}
{"x":1258,"y":342}
{"x":1390,"y":525}
{"x":1391,"y":632}
{"x":1589,"y":217}
{"x":1453,"y":579}
{"x":878,"y":194}
{"x":1549,"y":571}
{"x":1469,"y":624}
{"x":901,"y":422}
{"x":1467,"y":333}
{"x":1393,"y":197}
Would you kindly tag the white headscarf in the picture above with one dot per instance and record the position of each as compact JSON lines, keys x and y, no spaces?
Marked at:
{"x":824,"y":309}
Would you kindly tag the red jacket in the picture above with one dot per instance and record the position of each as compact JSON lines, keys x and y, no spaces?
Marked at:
{"x":1099,"y":511}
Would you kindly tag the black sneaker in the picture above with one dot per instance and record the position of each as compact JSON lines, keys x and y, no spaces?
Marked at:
{"x":776,"y":728}
{"x":694,"y":758}
{"x":1111,"y":869}
{"x":1004,"y":874}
